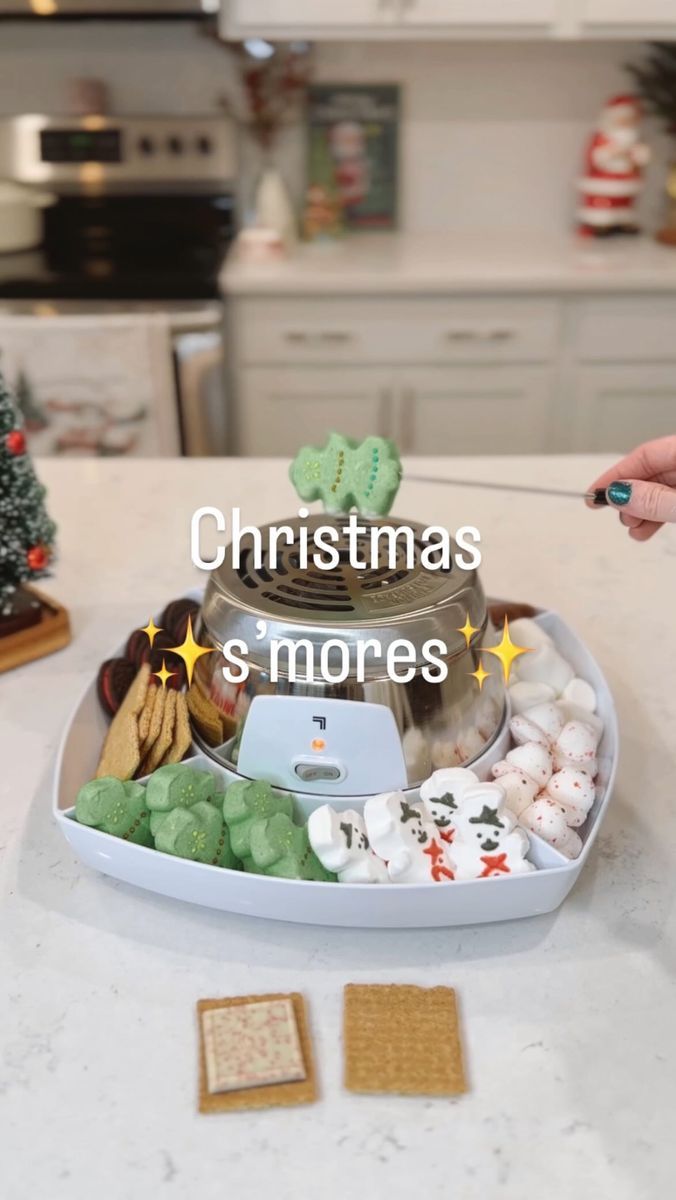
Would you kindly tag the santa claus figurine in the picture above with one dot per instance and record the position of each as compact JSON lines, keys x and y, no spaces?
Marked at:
{"x":614,"y":162}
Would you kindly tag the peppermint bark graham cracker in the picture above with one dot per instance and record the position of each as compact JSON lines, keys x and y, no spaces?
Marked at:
{"x":402,"y":1039}
{"x":269,"y":1095}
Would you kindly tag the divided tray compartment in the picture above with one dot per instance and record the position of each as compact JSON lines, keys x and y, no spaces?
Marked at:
{"x":403,"y":906}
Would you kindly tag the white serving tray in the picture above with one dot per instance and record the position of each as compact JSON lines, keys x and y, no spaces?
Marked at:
{"x":402,"y":906}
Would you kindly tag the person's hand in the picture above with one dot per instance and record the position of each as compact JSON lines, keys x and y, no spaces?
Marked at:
{"x":642,"y":486}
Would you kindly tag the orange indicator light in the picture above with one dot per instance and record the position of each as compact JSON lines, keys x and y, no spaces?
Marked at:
{"x":318,"y":744}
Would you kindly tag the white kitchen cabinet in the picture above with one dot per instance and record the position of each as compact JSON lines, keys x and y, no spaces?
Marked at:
{"x":618,"y":407}
{"x":472,"y":13}
{"x":270,"y":16}
{"x":474,"y":410}
{"x":463,"y":374}
{"x":278,"y":408}
{"x":633,"y":14}
{"x":386,"y":18}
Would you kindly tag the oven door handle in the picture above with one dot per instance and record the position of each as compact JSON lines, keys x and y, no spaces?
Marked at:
{"x":198,"y":361}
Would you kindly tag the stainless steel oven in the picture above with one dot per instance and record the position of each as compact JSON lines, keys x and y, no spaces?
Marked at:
{"x":112,"y":332}
{"x":108,"y":8}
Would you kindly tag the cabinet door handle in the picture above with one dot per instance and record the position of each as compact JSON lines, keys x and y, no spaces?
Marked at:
{"x":299,"y":337}
{"x":461,"y":335}
{"x":383,"y":420}
{"x":407,"y":402}
{"x":336,"y":336}
{"x":476,"y":335}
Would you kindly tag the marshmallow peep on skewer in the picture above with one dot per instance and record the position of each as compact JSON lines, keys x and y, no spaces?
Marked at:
{"x":341,"y":844}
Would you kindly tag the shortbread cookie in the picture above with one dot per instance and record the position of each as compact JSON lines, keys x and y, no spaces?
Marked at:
{"x":121,"y":752}
{"x":402,"y":1039}
{"x":261,"y":1095}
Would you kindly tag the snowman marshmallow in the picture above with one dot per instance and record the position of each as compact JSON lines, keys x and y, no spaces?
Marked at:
{"x":405,"y":837}
{"x":441,"y":794}
{"x":339,"y":840}
{"x":486,"y":841}
{"x":548,"y":820}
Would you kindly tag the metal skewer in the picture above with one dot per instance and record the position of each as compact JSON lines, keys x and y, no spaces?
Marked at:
{"x":502,"y":487}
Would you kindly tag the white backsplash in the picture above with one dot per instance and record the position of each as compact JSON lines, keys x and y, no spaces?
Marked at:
{"x":492,"y":132}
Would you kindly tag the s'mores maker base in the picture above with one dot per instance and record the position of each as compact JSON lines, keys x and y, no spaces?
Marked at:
{"x":339,"y":743}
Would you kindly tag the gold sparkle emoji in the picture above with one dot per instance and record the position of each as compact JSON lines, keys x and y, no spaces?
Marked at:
{"x":152,"y":630}
{"x":467,"y":630}
{"x":190,"y":651}
{"x":480,"y":675}
{"x":164,"y":674}
{"x":506,"y":651}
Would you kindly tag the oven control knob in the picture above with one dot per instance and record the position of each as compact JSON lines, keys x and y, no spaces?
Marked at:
{"x":204,"y":144}
{"x":175,"y":145}
{"x":146,"y":146}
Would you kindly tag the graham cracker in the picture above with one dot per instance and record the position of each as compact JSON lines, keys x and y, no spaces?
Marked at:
{"x":206,"y":716}
{"x":402,"y":1039}
{"x":121,"y":753}
{"x":156,"y":719}
{"x":182,"y":740}
{"x":165,"y":736}
{"x":272,"y":1095}
{"x":146,"y":713}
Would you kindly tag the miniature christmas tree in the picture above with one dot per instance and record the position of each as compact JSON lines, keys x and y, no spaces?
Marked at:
{"x":26,"y":531}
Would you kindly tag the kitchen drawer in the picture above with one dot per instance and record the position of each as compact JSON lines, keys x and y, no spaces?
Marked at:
{"x":413,"y":329}
{"x":636,"y":329}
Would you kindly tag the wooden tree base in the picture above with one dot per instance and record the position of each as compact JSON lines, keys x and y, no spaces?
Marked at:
{"x":50,"y":633}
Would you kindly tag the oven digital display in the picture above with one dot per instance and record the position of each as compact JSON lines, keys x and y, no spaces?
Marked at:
{"x":81,"y":145}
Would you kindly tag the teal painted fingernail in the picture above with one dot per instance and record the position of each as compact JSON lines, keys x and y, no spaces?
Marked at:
{"x":619,"y":493}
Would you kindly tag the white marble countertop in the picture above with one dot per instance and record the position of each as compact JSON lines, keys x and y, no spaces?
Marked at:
{"x":568,"y":1018}
{"x":446,"y":263}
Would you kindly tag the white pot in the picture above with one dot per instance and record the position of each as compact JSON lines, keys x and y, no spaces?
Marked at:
{"x":21,"y":217}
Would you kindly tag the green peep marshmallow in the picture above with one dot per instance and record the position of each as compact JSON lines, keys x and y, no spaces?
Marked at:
{"x":247,"y":802}
{"x":346,"y":474}
{"x":178,"y":786}
{"x":198,"y":833}
{"x":280,"y":848}
{"x":115,"y":807}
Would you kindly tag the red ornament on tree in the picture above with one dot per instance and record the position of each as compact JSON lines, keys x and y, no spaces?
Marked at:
{"x":37,"y":558}
{"x":16,"y":442}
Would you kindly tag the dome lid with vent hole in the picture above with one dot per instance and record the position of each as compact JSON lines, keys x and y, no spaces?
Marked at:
{"x":346,"y":602}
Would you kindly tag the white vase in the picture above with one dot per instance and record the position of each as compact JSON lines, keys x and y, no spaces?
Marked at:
{"x":274,"y":209}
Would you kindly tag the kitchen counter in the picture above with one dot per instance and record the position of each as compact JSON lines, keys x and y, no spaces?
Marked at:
{"x":568,"y":1018}
{"x":440,"y":263}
